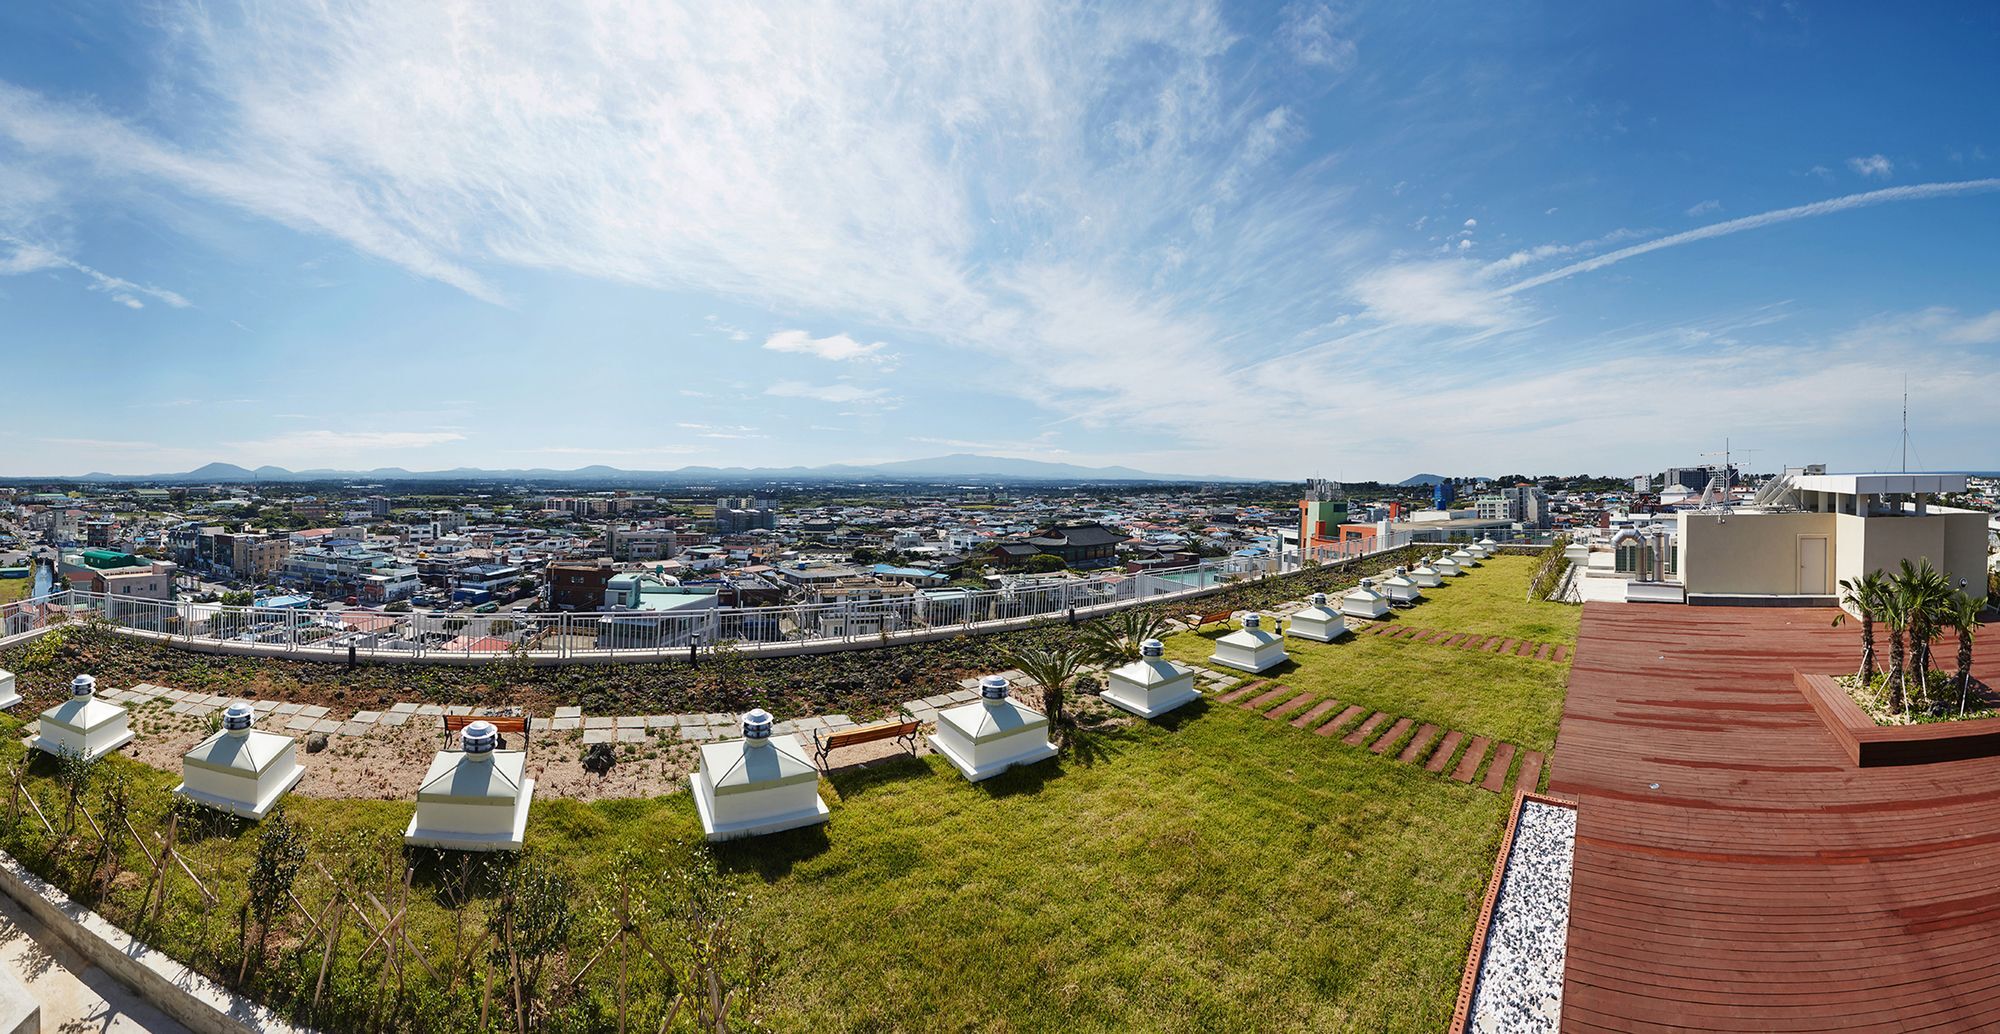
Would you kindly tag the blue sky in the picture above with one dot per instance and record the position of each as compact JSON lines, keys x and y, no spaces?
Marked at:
{"x":1314,"y":239}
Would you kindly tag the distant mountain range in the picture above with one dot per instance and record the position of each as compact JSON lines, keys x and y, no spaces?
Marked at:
{"x":1421,"y":479}
{"x":957,"y":467}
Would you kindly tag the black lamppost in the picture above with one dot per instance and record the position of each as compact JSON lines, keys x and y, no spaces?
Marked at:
{"x":694,"y":646}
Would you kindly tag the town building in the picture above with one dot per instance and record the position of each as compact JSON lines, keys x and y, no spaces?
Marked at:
{"x":577,"y":584}
{"x":1805,"y":532}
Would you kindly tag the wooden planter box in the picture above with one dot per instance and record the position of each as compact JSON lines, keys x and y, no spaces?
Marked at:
{"x":1869,"y":745}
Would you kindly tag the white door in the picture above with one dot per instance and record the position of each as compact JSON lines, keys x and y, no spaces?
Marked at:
{"x":1812,"y":565}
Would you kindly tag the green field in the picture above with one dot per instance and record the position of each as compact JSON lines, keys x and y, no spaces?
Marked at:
{"x":1493,"y":600}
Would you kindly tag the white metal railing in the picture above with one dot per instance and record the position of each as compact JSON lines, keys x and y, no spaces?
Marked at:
{"x":636,"y":635}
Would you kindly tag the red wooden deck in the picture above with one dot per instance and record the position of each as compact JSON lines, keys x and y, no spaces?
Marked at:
{"x":1767,"y":884}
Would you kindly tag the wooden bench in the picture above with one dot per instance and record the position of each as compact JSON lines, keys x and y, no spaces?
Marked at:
{"x":1198,"y":620}
{"x":825,"y":741}
{"x":502,"y":724}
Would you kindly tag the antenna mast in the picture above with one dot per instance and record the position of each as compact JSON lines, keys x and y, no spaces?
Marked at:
{"x":1906,"y":423}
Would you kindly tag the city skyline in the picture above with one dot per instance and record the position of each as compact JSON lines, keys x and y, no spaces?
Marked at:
{"x":1184,"y":239}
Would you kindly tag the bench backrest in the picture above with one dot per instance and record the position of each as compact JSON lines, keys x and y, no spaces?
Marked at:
{"x":871,"y":733}
{"x":1220,"y":615}
{"x":501,"y":723}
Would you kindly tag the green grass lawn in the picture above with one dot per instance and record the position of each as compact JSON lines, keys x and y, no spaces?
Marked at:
{"x":1493,"y":600}
{"x":1517,"y":699}
{"x":1217,"y":871}
{"x":12,"y":589}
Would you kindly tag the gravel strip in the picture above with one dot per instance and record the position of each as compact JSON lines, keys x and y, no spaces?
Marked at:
{"x":1521,"y":972}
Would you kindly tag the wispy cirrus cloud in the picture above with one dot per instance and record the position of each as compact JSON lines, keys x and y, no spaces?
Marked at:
{"x":1831,"y":206}
{"x":23,"y":257}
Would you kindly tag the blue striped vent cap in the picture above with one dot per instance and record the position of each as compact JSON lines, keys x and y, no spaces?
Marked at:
{"x":479,"y":738}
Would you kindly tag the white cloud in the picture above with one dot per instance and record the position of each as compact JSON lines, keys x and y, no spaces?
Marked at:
{"x":30,"y":258}
{"x":1874,"y":165}
{"x":1544,"y":252}
{"x":838,"y":347}
{"x":1312,"y":32}
{"x":836,"y":393}
{"x":1431,"y":294}
{"x":1470,"y":223}
{"x":1830,"y":206}
{"x":1701,"y":208}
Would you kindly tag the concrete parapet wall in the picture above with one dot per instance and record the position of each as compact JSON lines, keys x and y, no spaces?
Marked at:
{"x":203,"y":1005}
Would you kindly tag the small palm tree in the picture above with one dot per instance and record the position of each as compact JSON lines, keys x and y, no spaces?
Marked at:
{"x":1928,"y":601}
{"x":1864,"y":594}
{"x":1056,"y":668}
{"x":1893,"y":610}
{"x":1115,"y":640}
{"x":1965,"y":621}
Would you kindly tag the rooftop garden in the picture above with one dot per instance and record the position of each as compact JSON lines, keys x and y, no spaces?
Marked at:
{"x":1208,"y":872}
{"x":1211,"y":870}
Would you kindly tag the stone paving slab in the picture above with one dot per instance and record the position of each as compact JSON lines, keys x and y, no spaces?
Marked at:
{"x":563,"y":724}
{"x":631,"y":735}
{"x":429,"y":710}
{"x":1390,"y":738}
{"x":1318,"y":711}
{"x":1442,"y":756}
{"x":316,"y":711}
{"x":1468,"y":765}
{"x":662,"y":721}
{"x":289,"y":708}
{"x":325,"y":725}
{"x":1339,"y":720}
{"x":299,"y":723}
{"x":352,"y":728}
{"x":834,"y":720}
{"x":591,"y":736}
{"x":1529,"y":778}
{"x":1496,"y":770}
{"x":403,"y":708}
{"x":366,"y":717}
{"x":700,"y":733}
{"x":600,"y":722}
{"x":1289,"y":706}
{"x":458,"y":709}
{"x":569,"y":712}
{"x":631,"y":721}
{"x":1240,"y":692}
{"x":1425,"y":733}
{"x":394,"y":718}
{"x":1361,"y":732}
{"x":1266,"y":698}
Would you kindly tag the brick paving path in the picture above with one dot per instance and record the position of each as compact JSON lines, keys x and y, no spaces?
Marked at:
{"x":1380,"y":732}
{"x":1555,"y":652}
